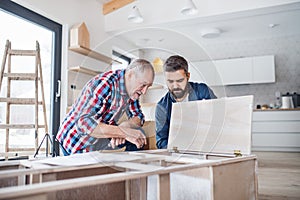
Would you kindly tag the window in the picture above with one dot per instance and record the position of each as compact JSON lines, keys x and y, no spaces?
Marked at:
{"x":23,"y":27}
{"x":123,"y":60}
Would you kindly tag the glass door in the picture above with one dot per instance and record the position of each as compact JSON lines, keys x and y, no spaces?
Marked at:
{"x":23,"y":28}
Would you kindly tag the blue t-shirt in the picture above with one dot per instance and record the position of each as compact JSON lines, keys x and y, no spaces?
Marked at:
{"x":197,"y":91}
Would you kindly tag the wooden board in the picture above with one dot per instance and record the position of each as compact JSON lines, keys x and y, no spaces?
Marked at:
{"x":84,"y":70}
{"x":212,"y":126}
{"x":90,"y":53}
{"x":114,"y":5}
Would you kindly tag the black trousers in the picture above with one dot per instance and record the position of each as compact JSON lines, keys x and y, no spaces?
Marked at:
{"x":104,"y":144}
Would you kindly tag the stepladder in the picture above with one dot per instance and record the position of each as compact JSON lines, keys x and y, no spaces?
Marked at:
{"x":22,"y":99}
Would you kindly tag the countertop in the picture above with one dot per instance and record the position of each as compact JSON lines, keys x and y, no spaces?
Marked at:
{"x":279,"y":109}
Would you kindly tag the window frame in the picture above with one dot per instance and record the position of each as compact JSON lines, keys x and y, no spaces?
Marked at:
{"x":56,"y":28}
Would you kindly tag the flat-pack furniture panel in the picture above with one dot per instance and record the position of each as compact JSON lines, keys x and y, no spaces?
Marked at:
{"x":235,"y":181}
{"x":173,"y":176}
{"x":212,"y":126}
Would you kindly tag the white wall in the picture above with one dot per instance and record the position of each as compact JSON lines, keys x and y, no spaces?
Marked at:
{"x":287,"y":65}
{"x":68,"y":13}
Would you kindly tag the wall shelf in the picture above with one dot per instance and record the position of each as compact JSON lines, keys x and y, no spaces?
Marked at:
{"x":156,"y":86}
{"x":92,"y":54}
{"x":84,"y":70}
{"x":144,"y":104}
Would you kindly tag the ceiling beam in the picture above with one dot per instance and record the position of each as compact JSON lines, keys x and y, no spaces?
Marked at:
{"x":114,"y":5}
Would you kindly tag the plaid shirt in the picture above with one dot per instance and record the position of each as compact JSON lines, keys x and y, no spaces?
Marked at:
{"x":103,"y":99}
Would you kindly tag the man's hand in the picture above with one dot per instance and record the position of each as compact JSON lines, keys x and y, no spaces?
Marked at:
{"x":134,"y":136}
{"x":116,"y":142}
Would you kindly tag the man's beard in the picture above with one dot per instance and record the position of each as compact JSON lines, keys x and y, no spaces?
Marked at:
{"x":179,"y":92}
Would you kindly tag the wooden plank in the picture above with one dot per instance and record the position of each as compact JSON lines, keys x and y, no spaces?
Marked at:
{"x":15,"y":52}
{"x":8,"y":93}
{"x":163,"y":187}
{"x":7,"y":46}
{"x":19,"y":126}
{"x":143,"y":189}
{"x":235,"y":181}
{"x":137,"y":166}
{"x":19,"y":100}
{"x":90,"y":53}
{"x":84,"y":70}
{"x":24,"y":149}
{"x":21,"y":76}
{"x":114,"y":5}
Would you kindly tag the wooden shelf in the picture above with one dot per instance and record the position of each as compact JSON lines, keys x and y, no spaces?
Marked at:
{"x":148,"y":104}
{"x":84,"y":70}
{"x":156,"y":87}
{"x":92,"y":54}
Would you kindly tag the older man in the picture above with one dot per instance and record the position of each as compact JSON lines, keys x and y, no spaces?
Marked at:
{"x":94,"y":116}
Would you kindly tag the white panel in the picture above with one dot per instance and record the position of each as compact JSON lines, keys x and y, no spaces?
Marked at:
{"x":263,"y":69}
{"x":276,"y":115}
{"x":215,"y":126}
{"x":235,"y":71}
{"x":276,"y":126}
{"x":276,"y":130}
{"x":204,"y":71}
{"x":276,"y":140}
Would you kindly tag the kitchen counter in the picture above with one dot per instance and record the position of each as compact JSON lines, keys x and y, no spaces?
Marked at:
{"x":280,"y":109}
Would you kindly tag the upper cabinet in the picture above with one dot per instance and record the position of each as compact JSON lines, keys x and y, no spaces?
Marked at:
{"x":249,"y":70}
{"x":234,"y":71}
{"x":263,"y":69}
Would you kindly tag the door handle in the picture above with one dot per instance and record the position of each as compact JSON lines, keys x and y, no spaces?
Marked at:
{"x":57,"y":94}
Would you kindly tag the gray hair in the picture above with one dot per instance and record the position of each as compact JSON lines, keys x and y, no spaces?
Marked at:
{"x":140,"y":66}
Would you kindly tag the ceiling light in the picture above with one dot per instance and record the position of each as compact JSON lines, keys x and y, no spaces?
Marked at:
{"x":273,"y":25}
{"x":135,"y":16}
{"x":189,"y":8}
{"x":210,"y":32}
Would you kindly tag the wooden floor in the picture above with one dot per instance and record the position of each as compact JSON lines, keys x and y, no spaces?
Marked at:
{"x":278,"y":175}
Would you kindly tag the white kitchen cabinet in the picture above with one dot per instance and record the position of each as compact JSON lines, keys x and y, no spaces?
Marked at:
{"x":249,"y":70}
{"x":204,"y":71}
{"x":276,"y":130}
{"x":235,"y":71}
{"x":263,"y":69}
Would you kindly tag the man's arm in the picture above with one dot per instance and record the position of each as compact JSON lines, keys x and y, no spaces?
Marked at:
{"x":127,"y":133}
{"x":134,"y":123}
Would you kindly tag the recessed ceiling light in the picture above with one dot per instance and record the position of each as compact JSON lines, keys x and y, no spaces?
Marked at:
{"x":210,"y":32}
{"x":273,"y":25}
